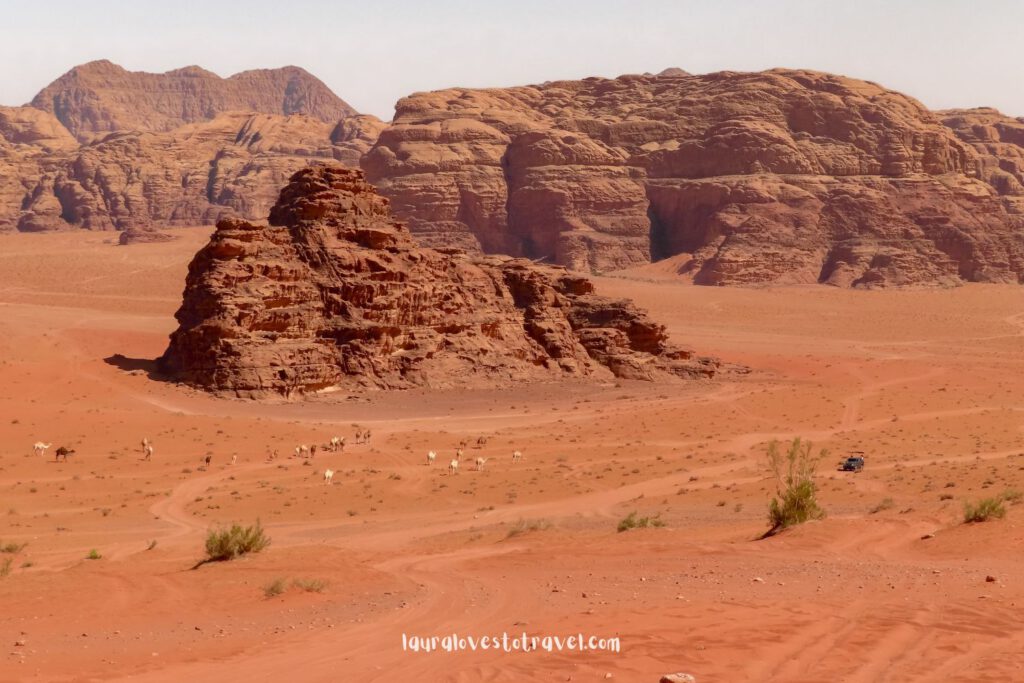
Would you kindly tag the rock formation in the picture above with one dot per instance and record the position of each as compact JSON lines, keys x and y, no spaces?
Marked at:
{"x":161,"y":151}
{"x":999,"y":142}
{"x":31,"y":142}
{"x":779,"y":176}
{"x":335,"y":293}
{"x":101,"y":97}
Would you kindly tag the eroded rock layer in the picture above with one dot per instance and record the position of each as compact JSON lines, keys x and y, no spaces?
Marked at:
{"x":334,"y":292}
{"x":779,"y":176}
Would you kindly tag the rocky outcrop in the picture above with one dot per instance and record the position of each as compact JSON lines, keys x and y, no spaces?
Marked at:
{"x":999,"y":142}
{"x":134,"y":236}
{"x":779,"y":176}
{"x":334,"y":292}
{"x":194,"y":175}
{"x":166,"y":149}
{"x":31,"y":143}
{"x":101,"y":97}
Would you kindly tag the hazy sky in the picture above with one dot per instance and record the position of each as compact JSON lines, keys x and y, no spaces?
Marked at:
{"x":946,"y":53}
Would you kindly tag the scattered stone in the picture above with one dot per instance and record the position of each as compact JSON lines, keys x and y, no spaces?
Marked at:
{"x":677,"y":678}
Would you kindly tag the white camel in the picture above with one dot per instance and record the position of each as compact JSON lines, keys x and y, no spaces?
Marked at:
{"x":480,"y":463}
{"x":328,"y":476}
{"x":234,"y":459}
{"x":40,"y":448}
{"x":458,"y":455}
{"x":337,"y":443}
{"x":453,"y":467}
{"x":516,"y":456}
{"x":431,"y":456}
{"x":145,"y":443}
{"x":302,"y":451}
{"x":148,"y":450}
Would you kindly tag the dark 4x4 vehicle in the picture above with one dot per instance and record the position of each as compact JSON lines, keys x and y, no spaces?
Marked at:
{"x":855,"y":463}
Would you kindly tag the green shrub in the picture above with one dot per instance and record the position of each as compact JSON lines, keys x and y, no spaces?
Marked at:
{"x":274,"y":588}
{"x":631,"y":521}
{"x":984,"y":510}
{"x":310,"y":585}
{"x":524,"y":526}
{"x":886,"y":504}
{"x":796,"y":499}
{"x":93,"y":555}
{"x":1012,"y":496}
{"x":227,"y":544}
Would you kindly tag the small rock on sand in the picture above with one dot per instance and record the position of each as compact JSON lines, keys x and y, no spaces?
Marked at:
{"x":678,"y":678}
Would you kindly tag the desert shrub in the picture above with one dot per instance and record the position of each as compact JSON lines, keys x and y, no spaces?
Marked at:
{"x":310,"y":585}
{"x":93,"y":555}
{"x":796,"y":499}
{"x":524,"y":526}
{"x":1012,"y":496}
{"x":5,"y":567}
{"x":11,"y":548}
{"x":227,"y":544}
{"x":885,"y":504}
{"x":984,"y":510}
{"x":275,"y":587}
{"x":631,"y":521}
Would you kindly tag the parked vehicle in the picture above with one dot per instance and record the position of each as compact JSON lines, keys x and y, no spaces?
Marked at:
{"x":854,"y":463}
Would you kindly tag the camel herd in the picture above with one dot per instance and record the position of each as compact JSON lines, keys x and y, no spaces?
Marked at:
{"x":335,"y":445}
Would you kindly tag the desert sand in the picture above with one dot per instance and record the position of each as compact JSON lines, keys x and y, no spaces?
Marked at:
{"x":891,"y":586}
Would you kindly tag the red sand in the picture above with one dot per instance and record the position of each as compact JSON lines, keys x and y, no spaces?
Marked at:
{"x":928,"y":383}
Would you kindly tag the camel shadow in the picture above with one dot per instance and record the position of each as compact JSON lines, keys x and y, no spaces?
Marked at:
{"x":136,"y":366}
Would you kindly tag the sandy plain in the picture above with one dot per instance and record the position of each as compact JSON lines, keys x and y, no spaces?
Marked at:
{"x":927,"y":382}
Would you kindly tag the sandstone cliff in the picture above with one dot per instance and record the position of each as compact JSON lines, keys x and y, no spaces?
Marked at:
{"x":182,"y":148}
{"x":779,"y":176}
{"x":335,"y":293}
{"x":999,"y":142}
{"x":101,"y":97}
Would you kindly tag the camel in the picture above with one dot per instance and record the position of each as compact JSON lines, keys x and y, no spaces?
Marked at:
{"x":359,"y":436}
{"x":302,"y":451}
{"x":480,"y":463}
{"x":481,"y":442}
{"x":40,"y":448}
{"x":453,"y":467}
{"x":430,"y":457}
{"x":458,"y":455}
{"x":312,"y":451}
{"x":366,"y":436}
{"x":516,"y":456}
{"x":145,"y":443}
{"x":328,"y":476}
{"x":64,"y":452}
{"x":148,"y":450}
{"x":463,"y":443}
{"x":338,"y":444}
{"x":234,"y":459}
{"x":207,"y":460}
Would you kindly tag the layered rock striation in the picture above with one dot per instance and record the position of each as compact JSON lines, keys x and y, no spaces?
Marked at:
{"x":779,"y":176}
{"x":335,"y":293}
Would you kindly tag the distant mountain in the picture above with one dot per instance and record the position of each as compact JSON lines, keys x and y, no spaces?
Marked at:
{"x":181,"y":148}
{"x":101,"y":97}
